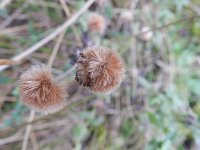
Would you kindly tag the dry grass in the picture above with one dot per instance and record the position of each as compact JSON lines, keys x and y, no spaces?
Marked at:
{"x":157,"y":105}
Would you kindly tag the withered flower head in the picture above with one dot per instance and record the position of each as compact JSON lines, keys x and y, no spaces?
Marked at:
{"x":40,"y":91}
{"x":96,"y":23}
{"x":99,"y":69}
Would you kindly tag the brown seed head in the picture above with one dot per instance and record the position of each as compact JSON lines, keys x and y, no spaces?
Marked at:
{"x":40,"y":91}
{"x":96,"y":23}
{"x":100,"y":69}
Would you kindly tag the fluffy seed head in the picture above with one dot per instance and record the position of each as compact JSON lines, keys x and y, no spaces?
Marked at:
{"x":40,"y":91}
{"x":100,"y":69}
{"x":96,"y":23}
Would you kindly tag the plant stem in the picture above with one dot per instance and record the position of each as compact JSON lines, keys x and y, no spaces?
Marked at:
{"x":28,"y":130}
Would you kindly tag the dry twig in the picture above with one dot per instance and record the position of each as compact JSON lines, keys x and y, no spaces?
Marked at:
{"x":28,"y":130}
{"x":51,"y":36}
{"x":55,"y":50}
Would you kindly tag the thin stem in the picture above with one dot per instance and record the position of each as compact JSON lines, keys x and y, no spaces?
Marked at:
{"x":55,"y":50}
{"x":62,"y":76}
{"x":68,"y":14}
{"x":28,"y":130}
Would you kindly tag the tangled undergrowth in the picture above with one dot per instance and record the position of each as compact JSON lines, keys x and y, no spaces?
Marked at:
{"x":157,"y":104}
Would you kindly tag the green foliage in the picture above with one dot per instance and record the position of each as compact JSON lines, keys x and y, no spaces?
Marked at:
{"x":80,"y":132}
{"x":127,"y":129}
{"x":196,"y":28}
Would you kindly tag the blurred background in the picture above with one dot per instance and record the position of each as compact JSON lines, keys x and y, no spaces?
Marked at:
{"x":157,"y":106}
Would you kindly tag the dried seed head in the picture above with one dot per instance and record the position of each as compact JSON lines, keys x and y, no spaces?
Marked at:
{"x":40,"y":91}
{"x":147,"y":34}
{"x":100,"y":69}
{"x":96,"y":23}
{"x":126,"y":16}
